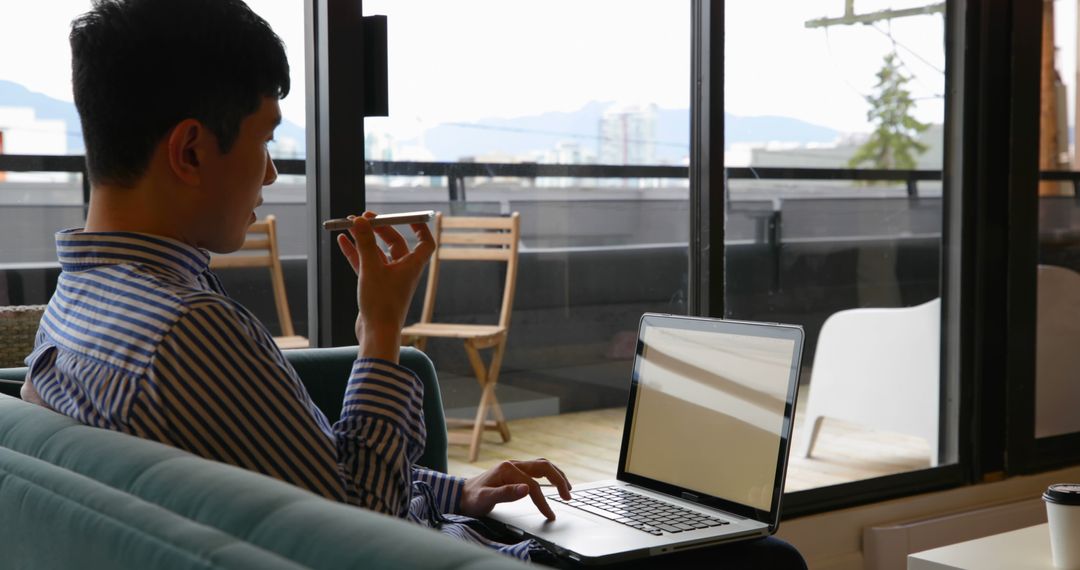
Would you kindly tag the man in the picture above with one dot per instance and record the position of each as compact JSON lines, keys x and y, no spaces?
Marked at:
{"x":178,"y":100}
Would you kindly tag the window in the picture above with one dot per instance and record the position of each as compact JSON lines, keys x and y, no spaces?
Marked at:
{"x":38,"y":118}
{"x":578,"y":121}
{"x":834,"y":220}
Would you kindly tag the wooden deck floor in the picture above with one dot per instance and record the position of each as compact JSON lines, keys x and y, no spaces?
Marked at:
{"x":585,"y":445}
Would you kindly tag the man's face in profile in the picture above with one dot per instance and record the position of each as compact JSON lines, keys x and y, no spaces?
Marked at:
{"x":233,"y":181}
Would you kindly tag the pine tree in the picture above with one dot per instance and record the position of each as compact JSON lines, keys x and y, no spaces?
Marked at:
{"x":895,"y":139}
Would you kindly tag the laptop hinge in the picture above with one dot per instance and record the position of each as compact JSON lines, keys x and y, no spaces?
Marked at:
{"x":691,"y":497}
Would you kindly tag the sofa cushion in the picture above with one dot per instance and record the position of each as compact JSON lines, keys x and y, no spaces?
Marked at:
{"x":64,"y":520}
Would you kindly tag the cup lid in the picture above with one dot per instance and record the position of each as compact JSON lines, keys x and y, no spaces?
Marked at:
{"x":1063,"y":494}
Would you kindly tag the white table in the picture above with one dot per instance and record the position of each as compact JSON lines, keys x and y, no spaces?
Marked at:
{"x":1027,"y":549}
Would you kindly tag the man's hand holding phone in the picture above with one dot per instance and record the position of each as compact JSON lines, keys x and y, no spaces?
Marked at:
{"x":386,"y":281}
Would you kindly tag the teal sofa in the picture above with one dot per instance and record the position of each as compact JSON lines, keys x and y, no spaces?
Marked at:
{"x":74,"y":496}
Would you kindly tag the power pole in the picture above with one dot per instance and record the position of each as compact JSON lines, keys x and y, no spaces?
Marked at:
{"x":1053,"y":155}
{"x":851,"y":18}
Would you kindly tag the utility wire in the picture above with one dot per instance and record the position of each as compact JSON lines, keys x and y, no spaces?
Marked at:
{"x":836,"y":69}
{"x":903,"y":62}
{"x":895,"y":42}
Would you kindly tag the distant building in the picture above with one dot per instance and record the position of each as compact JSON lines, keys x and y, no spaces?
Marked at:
{"x":628,"y":135}
{"x":21,"y":132}
{"x":569,"y":153}
{"x":378,"y":146}
{"x":566,"y":153}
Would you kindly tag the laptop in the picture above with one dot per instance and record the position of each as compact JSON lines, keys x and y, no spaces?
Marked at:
{"x":704,"y":448}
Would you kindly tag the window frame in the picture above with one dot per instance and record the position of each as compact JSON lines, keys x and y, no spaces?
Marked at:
{"x":335,"y":79}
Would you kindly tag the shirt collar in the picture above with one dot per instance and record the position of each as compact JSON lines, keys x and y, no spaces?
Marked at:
{"x":78,"y":251}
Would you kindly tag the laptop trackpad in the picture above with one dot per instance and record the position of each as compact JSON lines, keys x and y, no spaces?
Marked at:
{"x":567,"y":525}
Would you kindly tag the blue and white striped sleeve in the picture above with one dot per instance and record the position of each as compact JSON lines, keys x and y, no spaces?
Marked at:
{"x":446,"y":488}
{"x":223,"y":390}
{"x":381,"y":434}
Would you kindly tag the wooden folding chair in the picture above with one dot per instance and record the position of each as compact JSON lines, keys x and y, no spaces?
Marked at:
{"x":262,"y":238}
{"x":475,"y":239}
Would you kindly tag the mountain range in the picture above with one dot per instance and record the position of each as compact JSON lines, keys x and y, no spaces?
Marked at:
{"x":520,"y":135}
{"x":513,"y":136}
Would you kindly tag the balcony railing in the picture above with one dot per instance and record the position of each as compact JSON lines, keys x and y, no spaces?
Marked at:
{"x":461,"y":170}
{"x":457,"y":172}
{"x":838,"y":247}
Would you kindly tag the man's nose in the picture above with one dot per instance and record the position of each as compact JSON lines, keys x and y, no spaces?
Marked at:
{"x":271,"y":171}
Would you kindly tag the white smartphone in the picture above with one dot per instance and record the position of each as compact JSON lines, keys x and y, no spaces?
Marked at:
{"x":383,"y":220}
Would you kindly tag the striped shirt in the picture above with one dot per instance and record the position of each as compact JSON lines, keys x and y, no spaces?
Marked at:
{"x":141,"y":338}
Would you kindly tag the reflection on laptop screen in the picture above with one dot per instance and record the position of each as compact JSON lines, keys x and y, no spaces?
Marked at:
{"x":709,"y":410}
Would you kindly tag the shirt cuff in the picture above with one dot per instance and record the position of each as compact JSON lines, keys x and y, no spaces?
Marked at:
{"x":382,"y":389}
{"x":446,"y":488}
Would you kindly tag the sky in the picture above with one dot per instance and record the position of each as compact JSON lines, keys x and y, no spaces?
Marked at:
{"x":469,"y":60}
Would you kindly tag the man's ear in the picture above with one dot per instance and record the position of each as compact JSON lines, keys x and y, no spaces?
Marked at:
{"x":185,"y":147}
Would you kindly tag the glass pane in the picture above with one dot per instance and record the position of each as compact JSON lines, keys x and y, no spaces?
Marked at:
{"x":1056,"y":384}
{"x":512,"y":115}
{"x":38,"y":117}
{"x":855,"y":262}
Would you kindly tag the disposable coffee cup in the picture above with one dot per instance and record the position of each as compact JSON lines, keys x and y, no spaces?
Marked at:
{"x":1063,"y":513}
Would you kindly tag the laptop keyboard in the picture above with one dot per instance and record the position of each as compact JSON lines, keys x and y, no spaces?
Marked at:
{"x":638,"y":511}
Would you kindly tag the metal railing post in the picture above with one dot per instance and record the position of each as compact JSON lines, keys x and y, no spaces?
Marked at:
{"x":774,"y":245}
{"x":912,"y":188}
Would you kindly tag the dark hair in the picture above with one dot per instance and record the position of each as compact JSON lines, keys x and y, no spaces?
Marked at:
{"x":139,"y":67}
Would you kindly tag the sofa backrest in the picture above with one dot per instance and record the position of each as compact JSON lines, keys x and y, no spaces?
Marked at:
{"x":325,"y":371}
{"x":148,"y":500}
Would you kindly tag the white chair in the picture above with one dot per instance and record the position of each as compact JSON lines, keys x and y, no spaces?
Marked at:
{"x":1057,"y":372}
{"x":878,"y":368}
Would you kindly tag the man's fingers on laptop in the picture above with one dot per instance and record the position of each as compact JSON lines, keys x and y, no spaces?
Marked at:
{"x":539,"y":500}
{"x":569,"y":486}
{"x":544,"y":468}
{"x":518,"y":475}
{"x":507,"y":493}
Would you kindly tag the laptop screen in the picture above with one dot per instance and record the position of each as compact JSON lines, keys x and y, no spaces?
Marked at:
{"x":710,"y":405}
